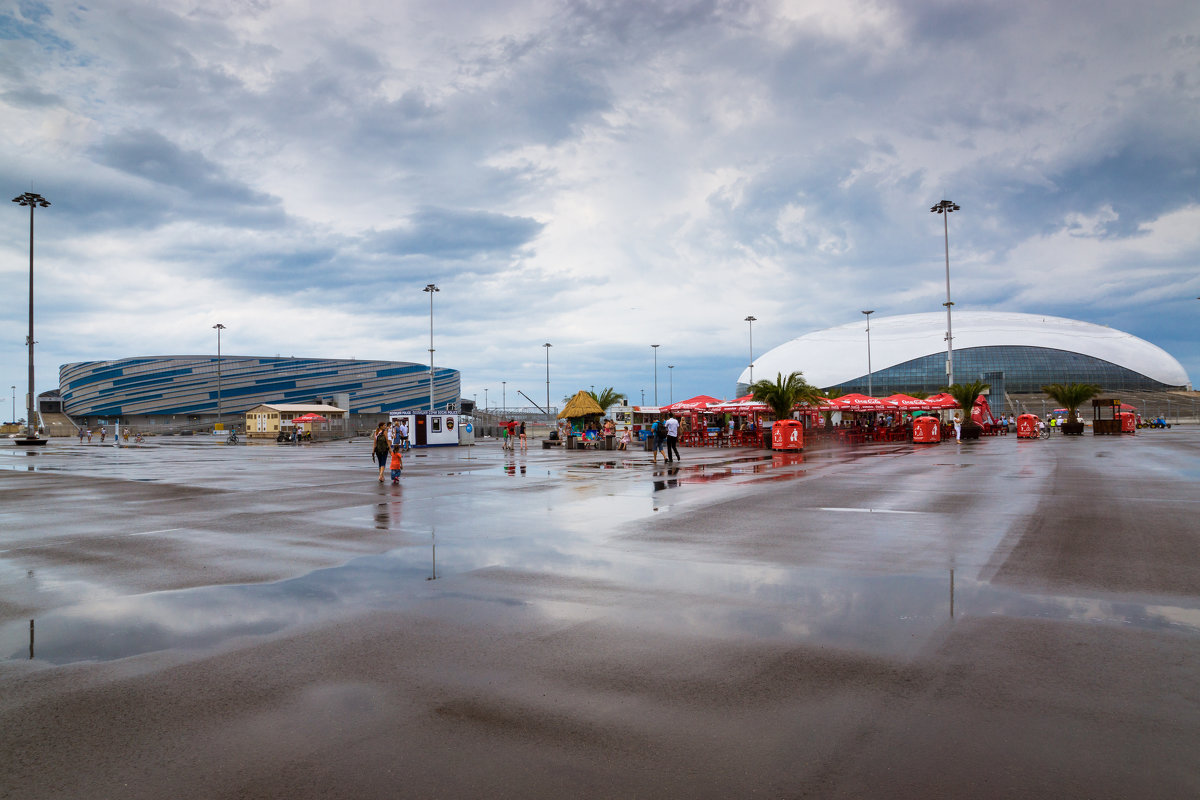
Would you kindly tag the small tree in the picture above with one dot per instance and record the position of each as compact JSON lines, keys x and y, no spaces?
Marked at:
{"x":782,"y":394}
{"x":1071,"y":396}
{"x":830,"y":394}
{"x":965,"y":395}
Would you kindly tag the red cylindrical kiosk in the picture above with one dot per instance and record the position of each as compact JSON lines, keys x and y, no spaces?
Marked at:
{"x":926,"y":430}
{"x":1128,"y":422}
{"x":1027,"y":426}
{"x":787,"y":434}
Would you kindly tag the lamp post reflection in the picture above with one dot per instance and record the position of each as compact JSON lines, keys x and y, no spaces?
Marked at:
{"x":433,"y":555}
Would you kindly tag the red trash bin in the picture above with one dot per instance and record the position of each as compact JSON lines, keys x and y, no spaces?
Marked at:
{"x":1128,"y":422}
{"x":787,"y":434}
{"x":926,"y":430}
{"x":1027,"y":426}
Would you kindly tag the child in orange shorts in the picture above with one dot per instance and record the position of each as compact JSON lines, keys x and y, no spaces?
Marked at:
{"x":397,"y":464}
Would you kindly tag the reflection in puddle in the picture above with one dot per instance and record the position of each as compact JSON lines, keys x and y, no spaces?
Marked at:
{"x":875,"y":613}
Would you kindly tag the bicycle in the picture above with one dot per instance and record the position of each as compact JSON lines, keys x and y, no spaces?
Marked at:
{"x":233,"y":439}
{"x":1044,"y":432}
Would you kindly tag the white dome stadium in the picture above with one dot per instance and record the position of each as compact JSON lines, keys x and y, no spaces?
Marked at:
{"x":908,"y":353}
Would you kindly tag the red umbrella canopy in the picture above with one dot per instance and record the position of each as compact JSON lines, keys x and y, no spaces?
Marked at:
{"x":860,"y":402}
{"x":908,"y":403}
{"x":942,"y":400}
{"x":743,"y":405}
{"x":310,"y":418}
{"x":698,"y":403}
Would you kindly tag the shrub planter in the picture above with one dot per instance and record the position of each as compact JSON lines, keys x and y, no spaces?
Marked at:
{"x":1072,"y":428}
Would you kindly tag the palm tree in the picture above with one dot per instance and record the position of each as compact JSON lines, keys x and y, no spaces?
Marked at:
{"x":830,"y":394}
{"x":965,"y":395}
{"x":606,"y":397}
{"x":1071,"y":396}
{"x":783,"y":393}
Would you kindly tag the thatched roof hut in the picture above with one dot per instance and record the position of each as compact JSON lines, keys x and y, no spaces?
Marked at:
{"x":581,"y":405}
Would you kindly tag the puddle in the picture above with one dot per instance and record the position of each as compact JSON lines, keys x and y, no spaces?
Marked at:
{"x":889,"y":614}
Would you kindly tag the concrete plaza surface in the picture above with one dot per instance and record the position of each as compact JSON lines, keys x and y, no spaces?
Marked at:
{"x":1000,"y":618}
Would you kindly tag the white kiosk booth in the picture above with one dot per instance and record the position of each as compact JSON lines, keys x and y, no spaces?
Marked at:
{"x":435,"y":430}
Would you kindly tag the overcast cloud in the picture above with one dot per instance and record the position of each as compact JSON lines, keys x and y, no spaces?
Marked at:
{"x":599,"y":175}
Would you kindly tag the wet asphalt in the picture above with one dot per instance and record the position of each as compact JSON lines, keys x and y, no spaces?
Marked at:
{"x":1000,"y":618}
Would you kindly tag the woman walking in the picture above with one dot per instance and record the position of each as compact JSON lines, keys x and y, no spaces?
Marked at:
{"x":381,"y":449}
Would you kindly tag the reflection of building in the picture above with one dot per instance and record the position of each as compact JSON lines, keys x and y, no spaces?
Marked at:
{"x":186,"y":386}
{"x":1018,"y":352}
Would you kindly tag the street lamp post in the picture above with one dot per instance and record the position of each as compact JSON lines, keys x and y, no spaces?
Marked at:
{"x":547,"y":345}
{"x":503,"y":397}
{"x":33,"y":201}
{"x":870,"y":388}
{"x":655,"y":374}
{"x":945,"y":207}
{"x":218,"y":328}
{"x":14,"y":399}
{"x":751,"y":320}
{"x":671,"y":378}
{"x":431,"y":289}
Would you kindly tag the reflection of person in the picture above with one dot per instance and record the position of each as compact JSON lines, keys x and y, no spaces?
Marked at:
{"x":673,"y":438}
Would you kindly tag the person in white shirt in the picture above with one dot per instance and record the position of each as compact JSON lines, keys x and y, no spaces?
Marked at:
{"x":672,"y":438}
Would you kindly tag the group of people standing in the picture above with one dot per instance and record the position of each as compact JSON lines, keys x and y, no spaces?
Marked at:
{"x":513,"y":432}
{"x":388,"y":446}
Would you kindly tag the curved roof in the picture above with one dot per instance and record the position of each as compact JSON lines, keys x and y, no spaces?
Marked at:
{"x":834,"y":355}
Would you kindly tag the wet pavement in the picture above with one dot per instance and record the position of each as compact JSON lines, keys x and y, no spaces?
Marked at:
{"x":992,"y":619}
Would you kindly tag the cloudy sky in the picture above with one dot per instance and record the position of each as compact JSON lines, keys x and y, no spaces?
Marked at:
{"x":599,"y":175}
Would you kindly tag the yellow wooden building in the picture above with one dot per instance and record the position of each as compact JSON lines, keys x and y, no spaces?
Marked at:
{"x":267,"y":420}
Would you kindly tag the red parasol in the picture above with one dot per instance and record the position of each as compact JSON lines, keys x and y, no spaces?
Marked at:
{"x":943,"y":400}
{"x":697,"y":403}
{"x":909,"y":403}
{"x":860,"y":402}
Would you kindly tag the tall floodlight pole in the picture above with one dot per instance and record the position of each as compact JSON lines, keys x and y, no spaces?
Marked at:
{"x":33,"y":201}
{"x":14,"y":399}
{"x":870,"y":388}
{"x":944,"y":208}
{"x":751,"y":320}
{"x":218,"y":328}
{"x":547,"y":345}
{"x":503,"y":397}
{"x":671,"y":378}
{"x":655,"y":375}
{"x":431,"y":289}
